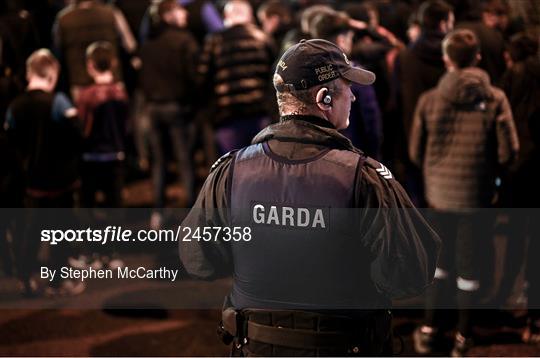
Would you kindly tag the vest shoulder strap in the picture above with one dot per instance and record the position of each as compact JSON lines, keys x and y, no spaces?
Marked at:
{"x":345,"y":158}
{"x":224,"y":158}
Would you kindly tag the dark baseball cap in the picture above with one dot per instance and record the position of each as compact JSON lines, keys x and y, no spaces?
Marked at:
{"x":314,"y":62}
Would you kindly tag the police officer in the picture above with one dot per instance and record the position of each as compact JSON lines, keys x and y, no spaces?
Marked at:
{"x":323,"y":237}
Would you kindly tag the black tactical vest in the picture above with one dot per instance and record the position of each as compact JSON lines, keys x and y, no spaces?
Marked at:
{"x":305,"y":252}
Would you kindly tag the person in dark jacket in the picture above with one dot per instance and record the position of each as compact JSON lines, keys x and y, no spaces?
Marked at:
{"x":325,"y":235}
{"x":417,"y":69}
{"x":275,"y":17}
{"x":462,"y":133}
{"x":301,"y":31}
{"x":234,"y":69}
{"x":530,"y":172}
{"x":492,"y":44}
{"x":521,"y":83}
{"x":203,"y":18}
{"x":168,"y":79}
{"x":42,"y":127}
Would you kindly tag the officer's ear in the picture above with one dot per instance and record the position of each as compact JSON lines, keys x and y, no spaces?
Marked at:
{"x":324,"y":99}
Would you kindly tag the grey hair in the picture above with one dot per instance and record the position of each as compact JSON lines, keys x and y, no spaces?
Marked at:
{"x":292,"y":101}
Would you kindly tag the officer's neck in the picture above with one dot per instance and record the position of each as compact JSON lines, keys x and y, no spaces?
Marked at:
{"x":311,"y":118}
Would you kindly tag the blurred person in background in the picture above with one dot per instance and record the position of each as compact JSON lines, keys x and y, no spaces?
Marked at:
{"x":81,"y":24}
{"x":275,"y":17}
{"x":235,"y":66}
{"x":203,"y":19}
{"x":134,"y":12}
{"x":521,"y":83}
{"x":168,"y":81}
{"x":365,"y":128}
{"x":488,"y":26}
{"x":417,"y":69}
{"x":531,"y":333}
{"x":42,"y":125}
{"x":462,"y":132}
{"x":11,"y":83}
{"x":19,"y":36}
{"x":393,"y":15}
{"x":103,"y":110}
{"x":376,"y":48}
{"x":302,"y":30}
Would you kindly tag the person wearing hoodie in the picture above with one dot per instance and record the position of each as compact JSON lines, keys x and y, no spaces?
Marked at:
{"x":462,"y":133}
{"x":417,"y":69}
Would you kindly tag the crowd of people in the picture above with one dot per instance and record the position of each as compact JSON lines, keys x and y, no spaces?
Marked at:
{"x":93,"y":91}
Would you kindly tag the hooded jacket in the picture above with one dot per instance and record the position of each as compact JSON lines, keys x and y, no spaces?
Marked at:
{"x":462,"y":132}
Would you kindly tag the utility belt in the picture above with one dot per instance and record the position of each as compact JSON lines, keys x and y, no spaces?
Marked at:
{"x":287,"y":332}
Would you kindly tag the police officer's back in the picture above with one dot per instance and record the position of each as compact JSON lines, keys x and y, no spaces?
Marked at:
{"x":328,"y":235}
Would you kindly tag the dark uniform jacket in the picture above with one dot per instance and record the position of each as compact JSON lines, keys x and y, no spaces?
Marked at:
{"x":388,"y":238}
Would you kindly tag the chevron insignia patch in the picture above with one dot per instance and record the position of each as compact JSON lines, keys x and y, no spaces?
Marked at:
{"x":384,"y":172}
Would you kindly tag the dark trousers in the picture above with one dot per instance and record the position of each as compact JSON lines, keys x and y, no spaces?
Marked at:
{"x":170,"y":120}
{"x":6,"y":247}
{"x":464,"y":257}
{"x":30,"y":252}
{"x":532,"y":272}
{"x":107,"y":177}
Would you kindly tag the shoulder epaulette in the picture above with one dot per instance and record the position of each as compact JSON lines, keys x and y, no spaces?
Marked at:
{"x":222,"y":159}
{"x":379,"y":168}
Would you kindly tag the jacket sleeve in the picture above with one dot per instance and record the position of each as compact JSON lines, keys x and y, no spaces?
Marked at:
{"x":417,"y":137}
{"x":507,"y":138}
{"x":209,"y":260}
{"x":124,"y":32}
{"x":404,"y":248}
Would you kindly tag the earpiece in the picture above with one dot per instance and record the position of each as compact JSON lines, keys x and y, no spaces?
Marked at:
{"x":327,"y":99}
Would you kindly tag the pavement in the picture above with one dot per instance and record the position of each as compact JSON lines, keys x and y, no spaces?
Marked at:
{"x":178,"y":320}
